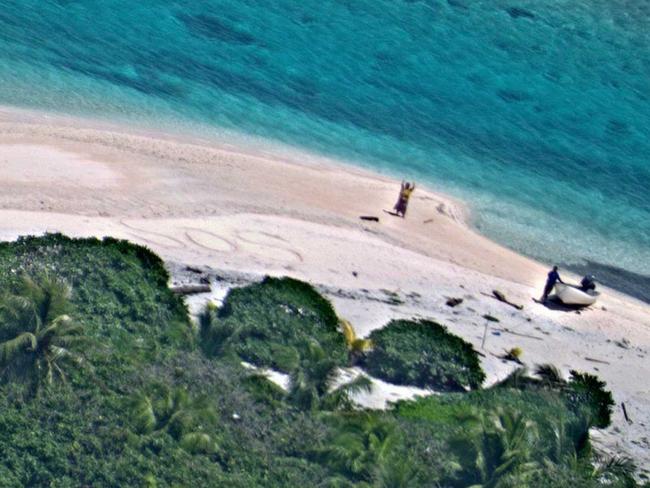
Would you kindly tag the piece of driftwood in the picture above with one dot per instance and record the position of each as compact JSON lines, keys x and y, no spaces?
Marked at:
{"x":508,"y":331}
{"x":190,"y":289}
{"x":371,"y":218}
{"x":485,"y":331}
{"x":499,"y":295}
{"x":192,"y":269}
{"x":627,"y":419}
{"x":512,"y":355}
{"x":593,"y":360}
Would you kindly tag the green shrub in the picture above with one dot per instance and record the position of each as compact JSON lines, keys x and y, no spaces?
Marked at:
{"x":481,"y":434}
{"x":423,"y":353}
{"x":585,"y":389}
{"x":584,"y":393}
{"x":271,"y":324}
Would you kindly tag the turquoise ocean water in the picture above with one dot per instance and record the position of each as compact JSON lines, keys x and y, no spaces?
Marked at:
{"x":535,"y":113}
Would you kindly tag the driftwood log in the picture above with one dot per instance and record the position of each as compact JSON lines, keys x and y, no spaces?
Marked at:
{"x":627,"y":418}
{"x":502,"y":298}
{"x":190,"y":289}
{"x":594,"y":360}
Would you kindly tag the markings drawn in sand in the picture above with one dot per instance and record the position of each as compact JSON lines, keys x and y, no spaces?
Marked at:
{"x":276,"y":251}
{"x":154,"y":238}
{"x":209,"y":240}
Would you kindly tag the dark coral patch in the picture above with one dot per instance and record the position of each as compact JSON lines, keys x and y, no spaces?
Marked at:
{"x":518,"y":12}
{"x":214,"y":28}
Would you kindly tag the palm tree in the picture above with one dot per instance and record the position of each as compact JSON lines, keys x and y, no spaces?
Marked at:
{"x":173,"y":411}
{"x":39,"y":340}
{"x":396,"y":473}
{"x":611,"y":469}
{"x":550,"y":376}
{"x":361,"y":448}
{"x":356,"y":346}
{"x":502,"y":453}
{"x":220,"y":338}
{"x":314,"y":383}
{"x":518,"y":378}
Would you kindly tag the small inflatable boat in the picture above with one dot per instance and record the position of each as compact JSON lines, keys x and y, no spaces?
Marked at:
{"x":574,"y":295}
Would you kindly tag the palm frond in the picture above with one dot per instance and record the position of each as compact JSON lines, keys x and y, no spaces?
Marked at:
{"x":617,"y":467}
{"x":362,"y":345}
{"x":49,"y":372}
{"x":60,"y":371}
{"x":56,"y":353}
{"x":516,"y":379}
{"x":348,"y":331}
{"x":142,"y":413}
{"x":361,"y":384}
{"x":550,"y":375}
{"x":198,"y":442}
{"x":60,"y":325}
{"x":13,"y":347}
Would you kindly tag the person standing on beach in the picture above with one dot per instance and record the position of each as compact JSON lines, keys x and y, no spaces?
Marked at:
{"x":403,"y":200}
{"x":553,"y":277}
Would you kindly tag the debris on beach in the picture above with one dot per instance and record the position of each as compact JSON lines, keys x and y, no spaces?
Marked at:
{"x":370,"y":218}
{"x":594,"y":360}
{"x":193,"y":269}
{"x":490,"y":318}
{"x":623,"y":343}
{"x":528,"y":336}
{"x":191,"y":289}
{"x":513,"y":354}
{"x":627,"y":418}
{"x":499,"y":295}
{"x":453,"y":302}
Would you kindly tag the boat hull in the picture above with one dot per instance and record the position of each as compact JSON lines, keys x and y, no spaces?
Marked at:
{"x":571,"y":295}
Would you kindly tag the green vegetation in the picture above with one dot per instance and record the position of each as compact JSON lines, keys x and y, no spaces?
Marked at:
{"x":272,"y":324}
{"x":422,"y":353}
{"x":313,"y":383}
{"x":504,"y":436}
{"x":106,"y":383}
{"x":39,"y":341}
{"x":173,"y":411}
{"x":582,"y":391}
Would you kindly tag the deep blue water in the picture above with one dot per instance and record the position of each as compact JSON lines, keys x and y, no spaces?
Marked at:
{"x":536,"y":113}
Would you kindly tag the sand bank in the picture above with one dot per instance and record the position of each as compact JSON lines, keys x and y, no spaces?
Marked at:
{"x":241,"y":209}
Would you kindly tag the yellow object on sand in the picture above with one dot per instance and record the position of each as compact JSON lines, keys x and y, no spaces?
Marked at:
{"x":351,"y":339}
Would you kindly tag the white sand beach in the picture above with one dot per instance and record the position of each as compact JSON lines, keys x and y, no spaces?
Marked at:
{"x":240,"y":209}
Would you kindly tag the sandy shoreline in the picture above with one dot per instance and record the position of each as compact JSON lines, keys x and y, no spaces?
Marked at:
{"x":244,"y":210}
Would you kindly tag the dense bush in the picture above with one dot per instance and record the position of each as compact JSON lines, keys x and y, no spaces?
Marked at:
{"x":584,"y":394}
{"x":272,"y":324}
{"x":587,"y":390}
{"x":504,"y":437}
{"x":423,"y":353}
